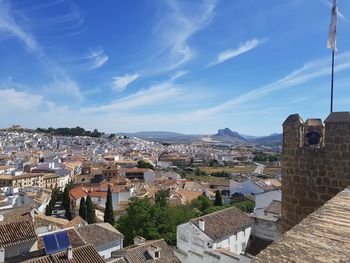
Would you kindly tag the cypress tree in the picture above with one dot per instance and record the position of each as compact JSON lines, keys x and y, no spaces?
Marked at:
{"x":90,"y":211}
{"x":109,"y":215}
{"x":68,"y":213}
{"x":49,"y":208}
{"x":82,"y":208}
{"x":218,"y":198}
{"x":65,"y":196}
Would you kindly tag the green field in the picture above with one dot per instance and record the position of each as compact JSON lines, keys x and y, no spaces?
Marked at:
{"x":209,"y":179}
{"x":232,"y":169}
{"x":271,"y":170}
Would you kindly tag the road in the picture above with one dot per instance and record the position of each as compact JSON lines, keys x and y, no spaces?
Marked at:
{"x":259,"y":169}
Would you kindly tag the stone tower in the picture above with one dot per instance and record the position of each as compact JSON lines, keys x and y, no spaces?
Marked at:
{"x":313,"y":172}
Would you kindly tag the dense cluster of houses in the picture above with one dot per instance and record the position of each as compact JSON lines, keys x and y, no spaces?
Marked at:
{"x":32,"y":164}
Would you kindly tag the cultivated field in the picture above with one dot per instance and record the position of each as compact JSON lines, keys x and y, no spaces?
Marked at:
{"x":271,"y":170}
{"x":233,"y":169}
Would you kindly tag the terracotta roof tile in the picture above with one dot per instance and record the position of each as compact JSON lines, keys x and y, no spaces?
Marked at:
{"x":17,"y":232}
{"x":16,"y":214}
{"x":83,"y":254}
{"x":274,"y":207}
{"x":77,"y":192}
{"x":99,"y":234}
{"x":224,"y":222}
{"x":139,"y":253}
{"x":323,"y":236}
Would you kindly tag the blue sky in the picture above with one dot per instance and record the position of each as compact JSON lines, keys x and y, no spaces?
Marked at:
{"x":185,"y":66}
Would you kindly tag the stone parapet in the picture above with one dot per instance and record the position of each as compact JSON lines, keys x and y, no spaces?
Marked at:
{"x":313,"y":174}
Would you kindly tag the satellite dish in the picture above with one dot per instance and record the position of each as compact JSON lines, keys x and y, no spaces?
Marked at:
{"x":1,"y":218}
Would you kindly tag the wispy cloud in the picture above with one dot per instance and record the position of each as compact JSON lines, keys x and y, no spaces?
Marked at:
{"x":307,"y":73}
{"x":179,"y":74}
{"x":9,"y":25}
{"x":158,"y":94}
{"x":175,"y":26}
{"x":98,"y":57}
{"x":231,"y":53}
{"x":120,"y":83}
{"x":61,"y":83}
{"x":63,"y":87}
{"x":94,"y":59}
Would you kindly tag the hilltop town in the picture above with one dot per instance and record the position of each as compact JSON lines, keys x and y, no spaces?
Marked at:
{"x":174,"y":131}
{"x":40,"y":171}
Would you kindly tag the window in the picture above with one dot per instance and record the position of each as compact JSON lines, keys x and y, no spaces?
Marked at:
{"x":243,"y":246}
{"x":156,"y":254}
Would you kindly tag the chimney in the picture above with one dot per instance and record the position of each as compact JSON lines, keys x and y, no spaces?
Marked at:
{"x":201,"y":225}
{"x":69,"y":252}
{"x":138,"y":240}
{"x":154,"y":252}
{"x":2,"y":254}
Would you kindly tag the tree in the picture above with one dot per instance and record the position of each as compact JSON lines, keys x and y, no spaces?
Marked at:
{"x":201,"y":203}
{"x":49,"y":208}
{"x":218,"y":198}
{"x":161,"y":198}
{"x":109,"y":214}
{"x":68,"y":213}
{"x":82,"y":208}
{"x":143,"y":164}
{"x":65,"y":196}
{"x":90,"y":211}
{"x":137,"y":221}
{"x":214,"y":209}
{"x":245,"y":206}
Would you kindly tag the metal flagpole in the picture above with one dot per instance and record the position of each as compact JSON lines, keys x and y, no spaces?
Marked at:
{"x":332,"y":81}
{"x":332,"y":42}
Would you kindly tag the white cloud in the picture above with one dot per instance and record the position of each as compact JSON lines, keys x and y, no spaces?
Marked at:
{"x":63,"y":86}
{"x":98,"y":58}
{"x":120,"y":83}
{"x":9,"y":25}
{"x":61,"y":83}
{"x":13,"y":100}
{"x":157,"y":94}
{"x":178,"y":74}
{"x":231,"y":53}
{"x":175,"y":26}
{"x":308,"y":72}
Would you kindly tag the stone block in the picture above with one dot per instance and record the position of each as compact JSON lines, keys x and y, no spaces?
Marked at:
{"x":332,"y":190}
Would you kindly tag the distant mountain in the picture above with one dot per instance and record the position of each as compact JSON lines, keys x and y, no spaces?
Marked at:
{"x":271,"y":140}
{"x":228,"y":136}
{"x":223,"y":135}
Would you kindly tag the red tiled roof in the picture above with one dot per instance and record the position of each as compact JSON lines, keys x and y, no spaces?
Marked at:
{"x":77,"y":192}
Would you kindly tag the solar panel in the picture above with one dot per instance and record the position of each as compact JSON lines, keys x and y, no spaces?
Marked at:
{"x":63,"y":240}
{"x":56,"y":242}
{"x":50,"y":243}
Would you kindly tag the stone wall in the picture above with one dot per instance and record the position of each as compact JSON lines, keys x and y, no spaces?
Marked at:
{"x":313,"y":174}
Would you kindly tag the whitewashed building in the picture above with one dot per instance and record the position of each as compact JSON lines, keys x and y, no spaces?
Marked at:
{"x":264,"y":199}
{"x":254,"y":186}
{"x":218,"y":237}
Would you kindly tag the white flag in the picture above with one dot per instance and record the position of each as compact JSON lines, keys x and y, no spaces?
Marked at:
{"x":333,"y":27}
